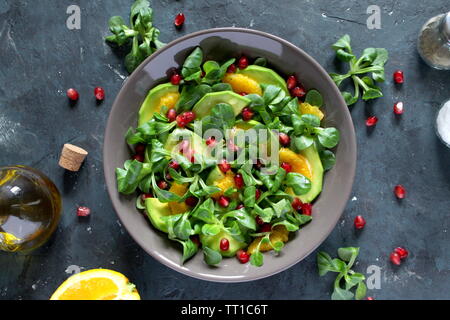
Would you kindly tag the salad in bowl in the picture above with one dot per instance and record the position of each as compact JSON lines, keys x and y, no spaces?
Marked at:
{"x":228,"y":158}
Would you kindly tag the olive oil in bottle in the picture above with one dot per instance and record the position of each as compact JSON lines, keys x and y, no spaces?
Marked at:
{"x":30,"y":208}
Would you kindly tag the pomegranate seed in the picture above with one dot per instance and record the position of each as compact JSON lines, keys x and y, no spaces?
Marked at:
{"x":146,"y":196}
{"x":284,"y":139}
{"x":395,"y":258}
{"x":72,"y":94}
{"x":181,"y":122}
{"x":162,"y":185}
{"x":139,"y":157}
{"x":243,"y":94}
{"x":286,"y":166}
{"x":231,"y":69}
{"x":211,"y":141}
{"x":224,"y":166}
{"x":400,"y":191}
{"x":359,"y":222}
{"x":291,"y":82}
{"x":242,"y":256}
{"x":179,"y":20}
{"x":297,"y":204}
{"x":168,"y":176}
{"x":258,"y":164}
{"x":224,"y":244}
{"x":83,"y":211}
{"x":243,"y":62}
{"x":307,"y":209}
{"x":175,"y":79}
{"x":191,"y":201}
{"x":196,"y":240}
{"x":371,"y":121}
{"x":259,"y":220}
{"x":266,"y":227}
{"x":99,"y":93}
{"x":239,"y":206}
{"x":171,"y":115}
{"x":189,"y":116}
{"x":402,"y":252}
{"x":238,"y":181}
{"x":139,"y":148}
{"x":257,"y":194}
{"x":398,"y":76}
{"x":398,"y":108}
{"x":224,"y":201}
{"x":174,"y":165}
{"x":370,"y":298}
{"x":298,"y":92}
{"x":247,"y":114}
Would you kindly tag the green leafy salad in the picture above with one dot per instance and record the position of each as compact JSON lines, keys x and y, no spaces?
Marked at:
{"x":228,"y":158}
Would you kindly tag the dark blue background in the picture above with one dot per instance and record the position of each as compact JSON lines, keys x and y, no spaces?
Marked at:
{"x":40,"y":58}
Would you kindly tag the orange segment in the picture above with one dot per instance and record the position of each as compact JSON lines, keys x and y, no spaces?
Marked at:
{"x":97,"y":284}
{"x":169,"y":100}
{"x":306,"y":108}
{"x":180,"y":190}
{"x":298,"y":162}
{"x":279,"y":233}
{"x":224,"y":184}
{"x":242,"y":83}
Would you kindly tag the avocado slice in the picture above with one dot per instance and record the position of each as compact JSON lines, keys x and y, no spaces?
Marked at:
{"x":155,"y":210}
{"x":215,"y":175}
{"x":151,"y":103}
{"x":195,"y":140}
{"x":264,"y":75}
{"x":204,"y":106}
{"x":213,"y":242}
{"x":312,"y":155}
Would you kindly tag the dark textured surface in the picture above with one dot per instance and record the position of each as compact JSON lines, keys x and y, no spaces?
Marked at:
{"x":40,"y":58}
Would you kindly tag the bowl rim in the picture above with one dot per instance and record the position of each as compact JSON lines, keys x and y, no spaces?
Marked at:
{"x":352,"y":146}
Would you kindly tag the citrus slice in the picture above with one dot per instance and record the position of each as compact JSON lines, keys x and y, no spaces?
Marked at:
{"x":298,"y":162}
{"x":96,"y":284}
{"x":179,"y":190}
{"x":169,"y":100}
{"x":306,"y":108}
{"x":242,"y":83}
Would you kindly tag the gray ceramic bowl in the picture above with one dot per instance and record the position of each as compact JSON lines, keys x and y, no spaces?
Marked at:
{"x":220,"y":44}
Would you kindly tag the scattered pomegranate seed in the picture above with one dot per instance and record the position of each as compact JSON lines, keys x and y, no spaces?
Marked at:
{"x":399,"y":191}
{"x":231,"y":68}
{"x":257,"y":194}
{"x":259,"y":220}
{"x":359,"y":222}
{"x":191,"y":201}
{"x":291,"y":82}
{"x":72,"y":94}
{"x":99,"y":93}
{"x":224,"y":201}
{"x":266,"y":227}
{"x":224,"y":166}
{"x":179,"y":20}
{"x":395,"y":258}
{"x":239,"y":206}
{"x":402,"y":252}
{"x":286,"y":166}
{"x":370,"y":298}
{"x":242,"y":256}
{"x":139,"y":148}
{"x":224,"y":244}
{"x":398,"y":108}
{"x":83,"y":211}
{"x":174,"y":165}
{"x":146,"y":196}
{"x":371,"y":121}
{"x":162,"y":185}
{"x":196,"y":240}
{"x":398,"y":76}
{"x":243,"y":62}
{"x":284,"y":139}
{"x":247,"y":114}
{"x":298,"y":92}
{"x":297,"y":204}
{"x":238,"y":181}
{"x":211,"y":141}
{"x":171,"y":115}
{"x":307,"y":209}
{"x":139,"y":157}
{"x":175,"y":79}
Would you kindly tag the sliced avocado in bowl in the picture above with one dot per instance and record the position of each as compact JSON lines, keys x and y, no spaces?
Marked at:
{"x":312,"y":155}
{"x":264,"y":75}
{"x":152,"y":102}
{"x":204,"y":106}
{"x":213,"y":242}
{"x":155,"y":211}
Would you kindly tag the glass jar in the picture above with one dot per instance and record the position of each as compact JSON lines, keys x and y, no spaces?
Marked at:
{"x":434,"y":42}
{"x":30,"y":208}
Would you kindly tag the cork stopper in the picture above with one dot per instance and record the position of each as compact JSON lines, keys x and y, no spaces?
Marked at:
{"x":72,"y":157}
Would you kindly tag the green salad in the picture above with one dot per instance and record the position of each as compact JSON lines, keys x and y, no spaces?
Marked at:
{"x":228,"y":158}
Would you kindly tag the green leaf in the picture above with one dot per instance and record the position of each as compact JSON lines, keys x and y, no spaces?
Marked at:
{"x":303,"y":142}
{"x":341,"y":294}
{"x":189,"y":250}
{"x":257,"y":259}
{"x":310,"y":120}
{"x":249,"y":196}
{"x":211,"y":229}
{"x":352,"y":280}
{"x":372,"y":93}
{"x":328,"y":137}
{"x":298,"y":182}
{"x":129,"y":178}
{"x":278,"y":180}
{"x":221,"y":87}
{"x":183,"y":229}
{"x":192,"y":63}
{"x":313,"y":97}
{"x":344,"y":56}
{"x":211,"y":256}
{"x":361,"y":291}
{"x":328,"y":159}
{"x":164,"y":195}
{"x":343,"y":43}
{"x":260,"y":62}
{"x":324,"y":263}
{"x":190,"y":95}
{"x":348,"y":254}
{"x":205,"y":212}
